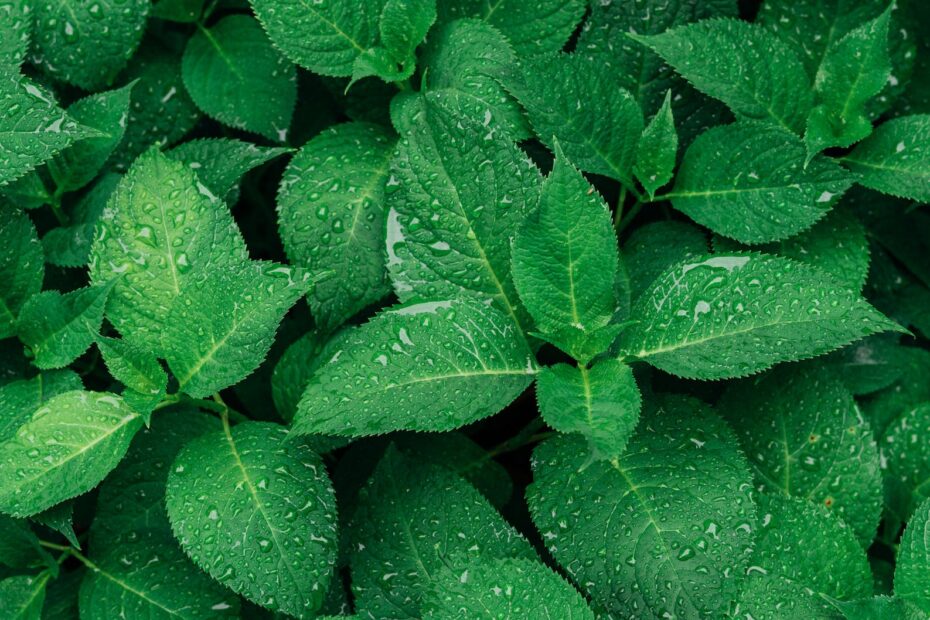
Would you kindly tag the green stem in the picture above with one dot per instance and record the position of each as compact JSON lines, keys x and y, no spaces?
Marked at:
{"x":71,"y":550}
{"x":55,"y":203}
{"x":403,"y":85}
{"x":618,"y":211}
{"x":524,"y":437}
{"x":634,"y":211}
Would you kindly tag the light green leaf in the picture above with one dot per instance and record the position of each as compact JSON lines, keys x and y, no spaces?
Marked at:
{"x":748,"y":181}
{"x":652,"y":249}
{"x":226,"y":493}
{"x":503,"y":588}
{"x":69,"y":445}
{"x":77,"y":165}
{"x":324,"y":36}
{"x":87,"y":43}
{"x":773,"y":597}
{"x":565,"y":258}
{"x":906,"y":462}
{"x":297,"y":366}
{"x":854,"y":70}
{"x":532,"y":26}
{"x":432,"y":366}
{"x":452,"y":214}
{"x":220,"y":328}
{"x":58,"y":328}
{"x":69,"y":246}
{"x":805,"y":437}
{"x":32,"y":127}
{"x":22,"y":596}
{"x":404,"y":24}
{"x":19,"y":399}
{"x":599,"y":137}
{"x":411,"y":519}
{"x":895,"y":159}
{"x":657,"y":149}
{"x":221,"y":162}
{"x":60,"y":519}
{"x":910,"y":577}
{"x":15,"y":34}
{"x":473,"y":59}
{"x":28,"y":191}
{"x":331,"y":217}
{"x":601,"y":403}
{"x":879,"y":608}
{"x":682,"y":332}
{"x":21,"y":265}
{"x":224,"y":66}
{"x":378,"y":62}
{"x":134,"y":366}
{"x":162,"y":229}
{"x":743,"y":65}
{"x":685,"y":538}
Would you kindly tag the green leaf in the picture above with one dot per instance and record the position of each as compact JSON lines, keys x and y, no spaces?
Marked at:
{"x":297,"y":366}
{"x":532,"y":26}
{"x":331,"y":217}
{"x":910,"y":577}
{"x":565,"y":258}
{"x":452,"y":214}
{"x":134,"y":366}
{"x":19,"y":399}
{"x":220,"y":329}
{"x":837,"y":244}
{"x":743,"y":65}
{"x":657,"y":148}
{"x":685,"y":537}
{"x":854,"y":70}
{"x":431,"y":366}
{"x":22,"y":596}
{"x":378,"y":62}
{"x":731,"y":315}
{"x":183,"y":11}
{"x":473,"y":59}
{"x":599,"y":137}
{"x":325,"y":37}
{"x":906,"y":462}
{"x":503,"y":588}
{"x":601,"y":403}
{"x":15,"y":34}
{"x":651,"y":249}
{"x":28,"y":191}
{"x":221,"y":162}
{"x":868,"y":365}
{"x":895,"y":159}
{"x":19,"y":546}
{"x":69,"y":445}
{"x":226,"y":502}
{"x":32,"y":128}
{"x":77,"y":165}
{"x":87,"y":43}
{"x":224,"y":66}
{"x":773,"y":597}
{"x":811,"y":547}
{"x":60,"y":519}
{"x":58,"y":328}
{"x":412,"y":517}
{"x":879,"y":608}
{"x":69,"y":246}
{"x":805,"y":437}
{"x":404,"y":24}
{"x":910,"y":390}
{"x":748,"y":181}
{"x":21,"y":265}
{"x":162,"y":230}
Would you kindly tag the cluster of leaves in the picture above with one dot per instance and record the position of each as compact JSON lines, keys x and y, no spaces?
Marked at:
{"x":658,"y":211}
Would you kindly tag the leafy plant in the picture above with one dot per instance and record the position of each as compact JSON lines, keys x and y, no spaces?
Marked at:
{"x":276,"y":279}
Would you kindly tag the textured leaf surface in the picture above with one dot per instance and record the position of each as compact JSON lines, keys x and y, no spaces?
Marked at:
{"x":602,"y":403}
{"x":907,"y":461}
{"x":134,"y":366}
{"x":326,"y":36}
{"x":21,"y":265}
{"x":428,"y":366}
{"x":71,"y":442}
{"x":748,"y":181}
{"x":404,"y":24}
{"x":20,"y":399}
{"x":565,"y":258}
{"x":15,"y":34}
{"x":532,"y":26}
{"x":411,"y":518}
{"x":69,"y":246}
{"x":805,"y":437}
{"x":220,"y":329}
{"x":224,"y":66}
{"x":507,"y":588}
{"x":221,"y":162}
{"x":243,"y":502}
{"x":743,"y":65}
{"x":773,"y":597}
{"x":19,"y":546}
{"x":58,"y":328}
{"x":161,"y":230}
{"x":22,"y":596}
{"x":895,"y":159}
{"x":87,"y":43}
{"x":910,"y":578}
{"x":297,"y":366}
{"x":601,"y":136}
{"x":452,"y":213}
{"x":731,"y":315}
{"x":685,"y":538}
{"x":331,"y":217}
{"x":657,"y":148}
{"x":651,"y":249}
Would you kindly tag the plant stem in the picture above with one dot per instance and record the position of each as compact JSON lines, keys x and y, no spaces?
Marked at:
{"x":55,"y":203}
{"x":71,"y":550}
{"x":634,"y":211}
{"x":618,"y":211}
{"x":524,"y":437}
